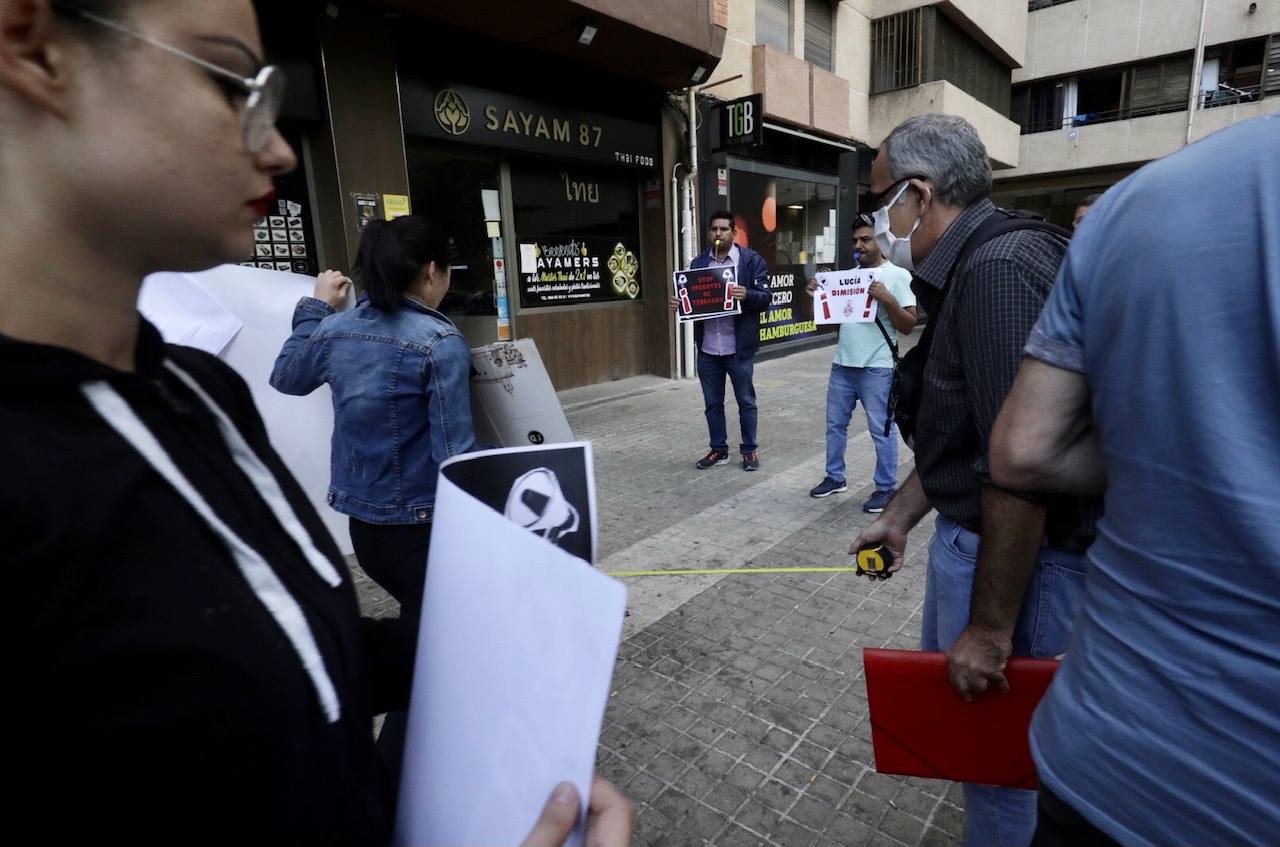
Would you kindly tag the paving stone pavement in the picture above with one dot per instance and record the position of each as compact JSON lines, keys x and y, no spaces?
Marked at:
{"x":738,"y":713}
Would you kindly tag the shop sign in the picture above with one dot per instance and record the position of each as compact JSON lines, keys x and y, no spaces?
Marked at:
{"x":790,"y":312}
{"x":742,"y":122}
{"x":479,"y":116}
{"x":573,"y":271}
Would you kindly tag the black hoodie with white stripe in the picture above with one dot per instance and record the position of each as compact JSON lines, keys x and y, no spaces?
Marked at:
{"x":187,"y":663}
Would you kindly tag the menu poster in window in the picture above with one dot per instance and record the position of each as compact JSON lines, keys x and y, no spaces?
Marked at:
{"x":705,"y":293}
{"x":282,"y":240}
{"x":572,"y":271}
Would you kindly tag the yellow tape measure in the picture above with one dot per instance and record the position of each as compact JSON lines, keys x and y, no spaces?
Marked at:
{"x":875,"y":561}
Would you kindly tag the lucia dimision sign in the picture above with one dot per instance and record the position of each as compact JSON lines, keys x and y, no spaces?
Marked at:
{"x":479,"y":116}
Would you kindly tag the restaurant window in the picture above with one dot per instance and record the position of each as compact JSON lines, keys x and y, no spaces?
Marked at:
{"x":577,"y":234}
{"x":791,"y":223}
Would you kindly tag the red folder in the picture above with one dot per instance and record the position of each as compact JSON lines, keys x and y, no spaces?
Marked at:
{"x":921,"y":727}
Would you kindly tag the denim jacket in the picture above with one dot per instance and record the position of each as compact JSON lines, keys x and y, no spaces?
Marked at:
{"x":401,"y":401}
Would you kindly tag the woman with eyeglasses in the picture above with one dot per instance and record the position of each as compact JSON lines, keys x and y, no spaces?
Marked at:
{"x":186,"y":663}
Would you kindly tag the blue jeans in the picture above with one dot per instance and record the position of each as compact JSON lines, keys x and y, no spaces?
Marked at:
{"x":999,"y":817}
{"x":711,"y":371}
{"x":870,"y":385}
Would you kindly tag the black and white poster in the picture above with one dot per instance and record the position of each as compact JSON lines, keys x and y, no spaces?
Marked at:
{"x":516,"y":649}
{"x":548,"y":490}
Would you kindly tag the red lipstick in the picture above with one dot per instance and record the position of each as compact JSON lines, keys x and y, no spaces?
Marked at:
{"x":263,"y":204}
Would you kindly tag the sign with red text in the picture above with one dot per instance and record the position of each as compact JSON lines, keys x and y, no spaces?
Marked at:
{"x":705,"y":293}
{"x":843,"y":297}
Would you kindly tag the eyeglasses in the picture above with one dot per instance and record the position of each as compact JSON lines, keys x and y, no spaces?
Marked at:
{"x":878,"y":201}
{"x":264,"y":91}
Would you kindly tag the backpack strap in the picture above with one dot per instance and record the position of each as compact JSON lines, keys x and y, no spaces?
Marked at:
{"x":998,"y":223}
{"x":893,"y":348}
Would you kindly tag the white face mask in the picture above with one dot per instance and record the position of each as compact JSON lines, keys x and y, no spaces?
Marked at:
{"x":893,"y":248}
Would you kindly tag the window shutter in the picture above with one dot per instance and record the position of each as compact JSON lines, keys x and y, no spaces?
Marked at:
{"x":773,"y":24}
{"x":1144,"y":93}
{"x":818,"y":31}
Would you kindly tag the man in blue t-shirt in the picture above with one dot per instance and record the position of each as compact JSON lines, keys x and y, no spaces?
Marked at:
{"x":1154,"y":373}
{"x":863,"y":370}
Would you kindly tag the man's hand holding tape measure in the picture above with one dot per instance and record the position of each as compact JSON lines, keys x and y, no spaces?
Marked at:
{"x":881,"y":546}
{"x":879,"y":549}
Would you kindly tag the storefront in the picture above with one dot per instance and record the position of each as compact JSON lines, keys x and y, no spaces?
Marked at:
{"x":542,"y":202}
{"x":785,"y":191}
{"x":789,"y":217}
{"x":551,"y":180}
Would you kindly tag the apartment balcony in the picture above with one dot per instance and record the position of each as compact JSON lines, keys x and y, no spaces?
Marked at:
{"x":1112,"y":139}
{"x":799,"y":93}
{"x":998,"y":133}
{"x":1225,"y":112}
{"x":1083,"y":35}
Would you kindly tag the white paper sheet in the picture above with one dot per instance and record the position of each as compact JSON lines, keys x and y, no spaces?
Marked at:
{"x":300,"y":428}
{"x":489,"y":199}
{"x":515,"y":660}
{"x":528,"y":258}
{"x":187,"y":314}
{"x":841,"y":297}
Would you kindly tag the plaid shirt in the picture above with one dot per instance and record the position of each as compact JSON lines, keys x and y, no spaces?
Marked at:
{"x":977,"y":348}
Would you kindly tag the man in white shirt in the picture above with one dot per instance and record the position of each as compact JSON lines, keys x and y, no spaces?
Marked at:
{"x":863,"y":370}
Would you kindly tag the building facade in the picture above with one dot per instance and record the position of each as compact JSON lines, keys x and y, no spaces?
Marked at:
{"x":536,"y":133}
{"x":550,"y":136}
{"x":1109,"y":85}
{"x":829,"y":80}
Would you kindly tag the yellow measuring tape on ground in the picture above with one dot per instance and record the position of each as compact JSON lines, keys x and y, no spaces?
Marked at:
{"x":705,"y":571}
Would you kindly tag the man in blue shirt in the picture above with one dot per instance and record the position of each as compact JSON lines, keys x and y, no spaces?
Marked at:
{"x":727,"y":345}
{"x":863,"y":370}
{"x":1154,"y":373}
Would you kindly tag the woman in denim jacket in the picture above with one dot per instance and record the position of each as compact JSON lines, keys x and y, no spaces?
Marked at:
{"x":398,"y":370}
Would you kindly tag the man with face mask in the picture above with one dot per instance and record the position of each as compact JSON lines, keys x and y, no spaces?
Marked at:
{"x":863,"y":370}
{"x":983,"y":285}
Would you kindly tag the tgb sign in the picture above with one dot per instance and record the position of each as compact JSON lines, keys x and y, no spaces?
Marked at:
{"x":742,"y":122}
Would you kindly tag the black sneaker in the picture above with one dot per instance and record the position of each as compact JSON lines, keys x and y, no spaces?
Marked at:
{"x":715,"y":457}
{"x":876,"y":502}
{"x":827,"y":487}
{"x":750,"y":461}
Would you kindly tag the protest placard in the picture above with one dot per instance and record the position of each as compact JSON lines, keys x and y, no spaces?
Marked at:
{"x":705,"y":293}
{"x":844,"y":297}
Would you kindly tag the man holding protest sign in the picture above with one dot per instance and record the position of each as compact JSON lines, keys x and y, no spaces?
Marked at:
{"x":864,"y":362}
{"x":727,"y":344}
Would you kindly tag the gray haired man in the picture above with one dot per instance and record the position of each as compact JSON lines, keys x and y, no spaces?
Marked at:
{"x":984,"y":284}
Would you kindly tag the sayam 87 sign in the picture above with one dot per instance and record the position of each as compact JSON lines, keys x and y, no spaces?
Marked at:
{"x":705,"y":293}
